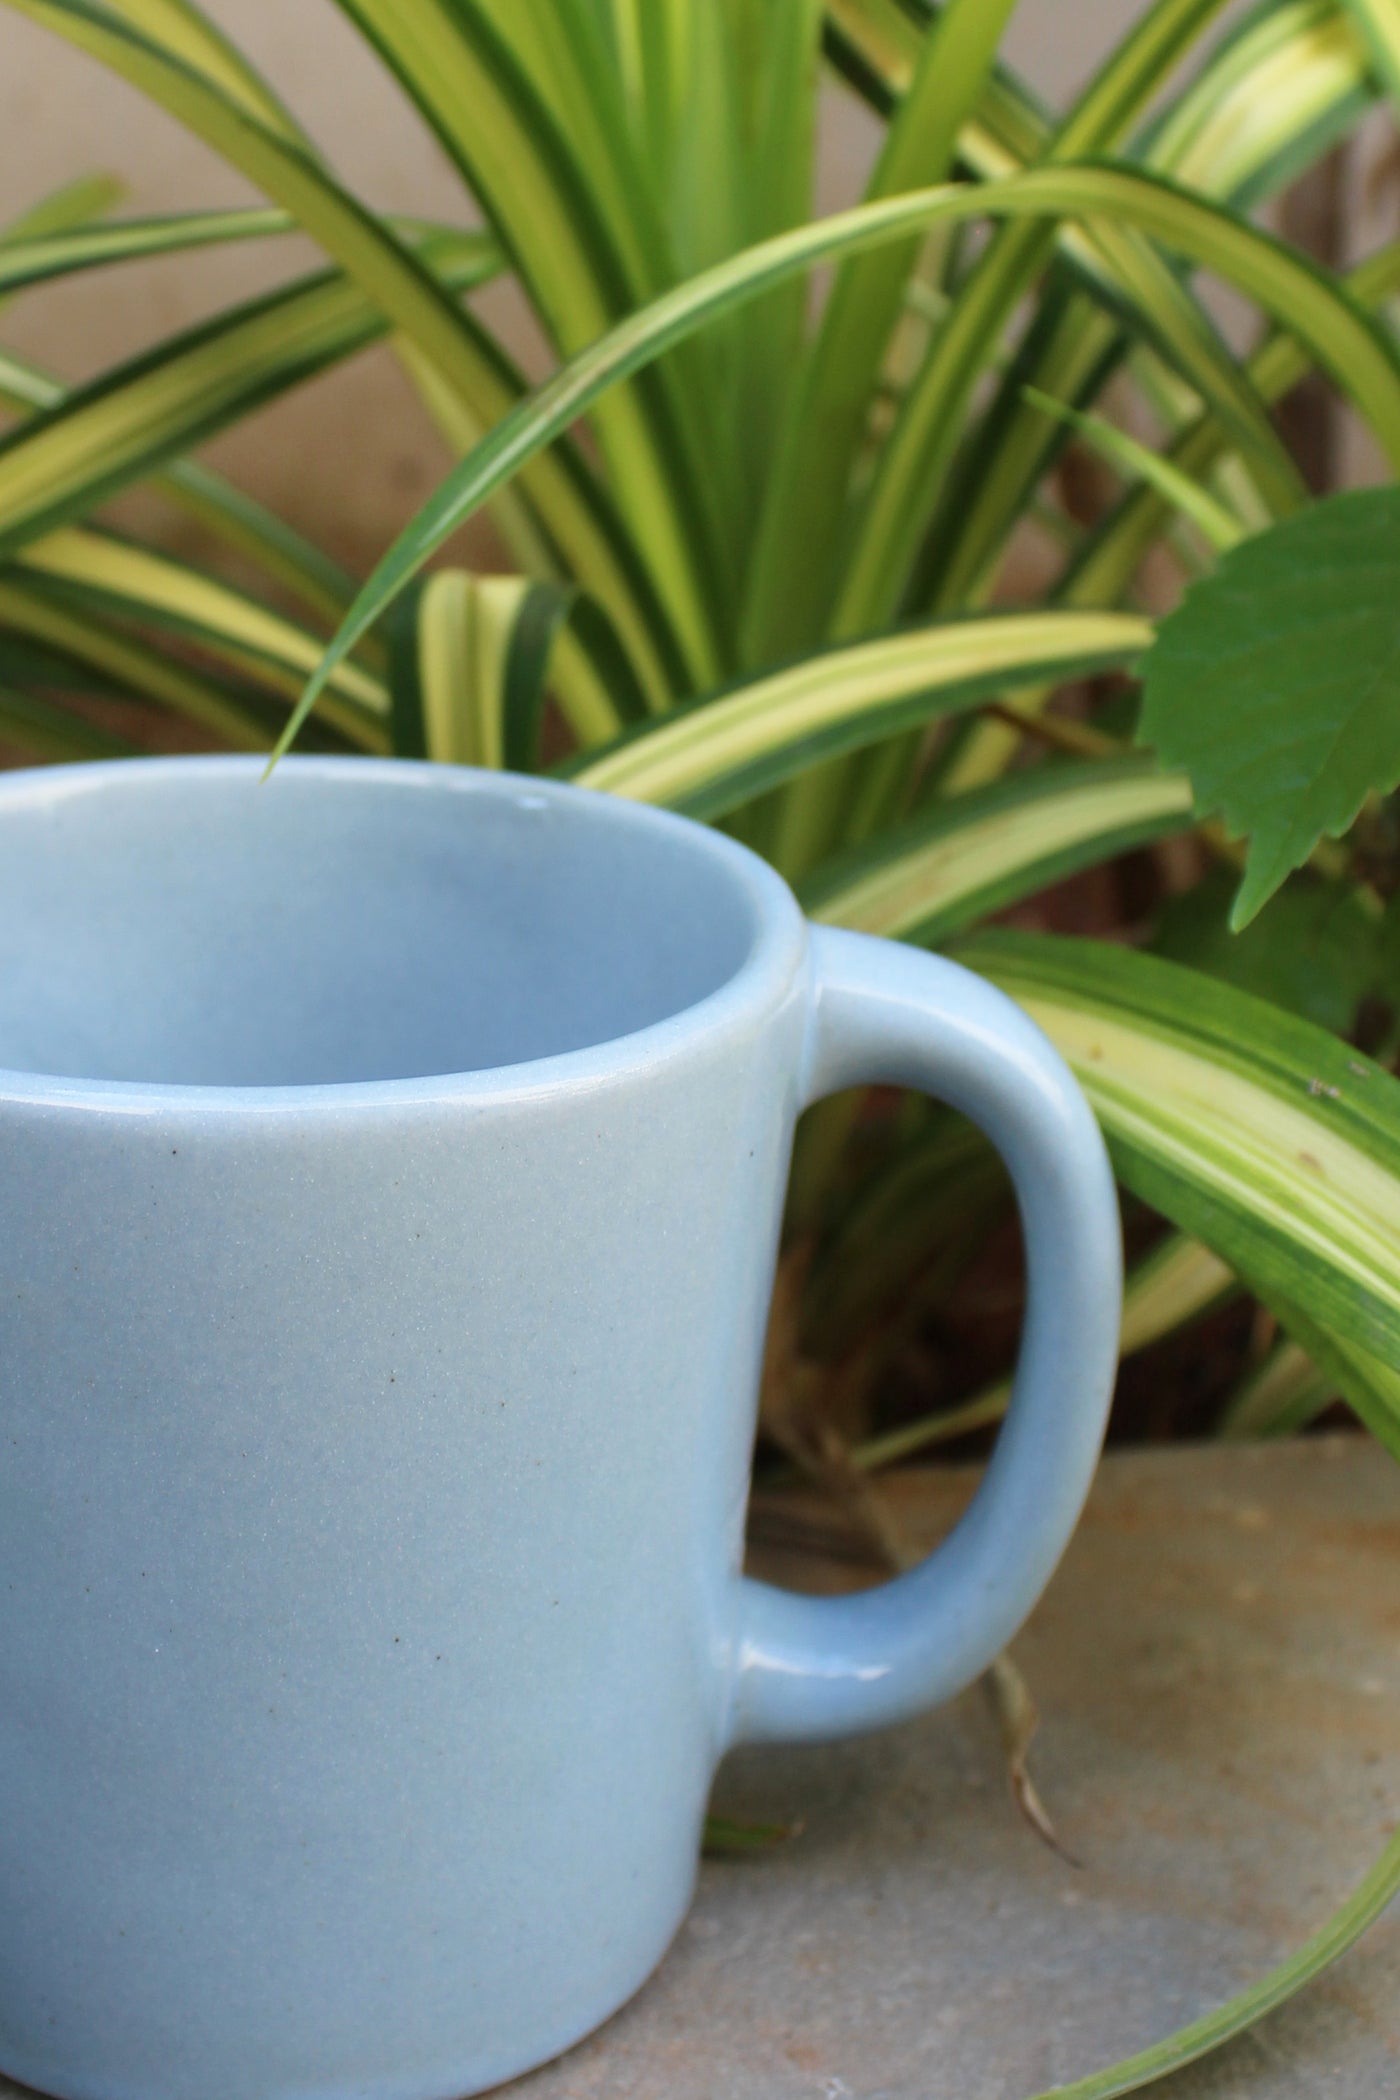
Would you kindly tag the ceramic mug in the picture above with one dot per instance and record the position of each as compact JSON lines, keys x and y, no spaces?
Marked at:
{"x":391,"y":1166}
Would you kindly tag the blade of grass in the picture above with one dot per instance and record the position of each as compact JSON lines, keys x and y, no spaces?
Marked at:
{"x":1242,"y":2012}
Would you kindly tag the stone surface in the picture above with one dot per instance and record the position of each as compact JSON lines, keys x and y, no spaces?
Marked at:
{"x":1217,"y":1667}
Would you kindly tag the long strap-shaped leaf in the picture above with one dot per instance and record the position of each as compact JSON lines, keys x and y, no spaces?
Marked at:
{"x":875,"y":46}
{"x":830,"y":402}
{"x":138,"y":415}
{"x":1170,"y":1287}
{"x":1271,"y":97}
{"x":77,"y":203}
{"x":96,"y":440}
{"x":1379,"y":24}
{"x":738,"y":165}
{"x":471,"y":660}
{"x":974,"y":854}
{"x":1275,"y":76}
{"x":407,"y":293}
{"x":32,"y":259}
{"x":710,"y":757}
{"x":1102,"y":572}
{"x":1280,"y":87}
{"x":1342,"y":336}
{"x":130,"y":581}
{"x":1367,"y":1382}
{"x":885,"y":535}
{"x":1258,"y":1133}
{"x":233,"y":517}
{"x":1240,"y":2013}
{"x":180,"y":28}
{"x":584,"y":265}
{"x":281,"y":167}
{"x":88,"y":639}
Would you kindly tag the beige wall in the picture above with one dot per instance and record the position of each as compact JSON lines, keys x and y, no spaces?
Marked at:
{"x":352,"y":456}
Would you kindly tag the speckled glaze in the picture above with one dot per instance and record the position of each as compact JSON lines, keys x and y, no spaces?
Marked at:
{"x":391,"y":1164}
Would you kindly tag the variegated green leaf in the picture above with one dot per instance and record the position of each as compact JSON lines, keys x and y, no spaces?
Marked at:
{"x":179,"y":28}
{"x":1240,"y":2013}
{"x":586,"y":245}
{"x":89,"y":640}
{"x":710,"y":757}
{"x":1219,"y":527}
{"x":1370,"y":1384}
{"x":472,"y":658}
{"x":1260,"y":1134}
{"x":1277,"y":91}
{"x":1378,"y":22}
{"x":235,"y":519}
{"x":795,"y":551}
{"x":88,"y":197}
{"x":408,"y":295}
{"x":171,"y":54}
{"x":1107,"y":564}
{"x":137,"y":416}
{"x":88,"y":444}
{"x":893,"y":511}
{"x":1344,"y":341}
{"x":1173,"y":1285}
{"x":114,"y":576}
{"x":1344,"y":338}
{"x":1271,"y":96}
{"x":973,"y":854}
{"x":37,"y":257}
{"x":450,"y":657}
{"x":50,"y":735}
{"x":1282,"y":1396}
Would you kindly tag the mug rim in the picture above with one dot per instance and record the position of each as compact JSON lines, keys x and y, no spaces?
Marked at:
{"x":774,"y":957}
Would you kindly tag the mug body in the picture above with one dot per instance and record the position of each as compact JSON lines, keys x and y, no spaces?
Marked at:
{"x":391,"y":1160}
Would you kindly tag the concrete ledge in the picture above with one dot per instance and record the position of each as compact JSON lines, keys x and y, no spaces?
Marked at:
{"x":1217,"y":1666}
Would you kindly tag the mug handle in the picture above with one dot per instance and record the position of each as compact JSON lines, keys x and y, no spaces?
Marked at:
{"x":820,"y":1667}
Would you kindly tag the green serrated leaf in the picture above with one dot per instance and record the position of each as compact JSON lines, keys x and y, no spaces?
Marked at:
{"x":1276,"y":683}
{"x":1315,"y":948}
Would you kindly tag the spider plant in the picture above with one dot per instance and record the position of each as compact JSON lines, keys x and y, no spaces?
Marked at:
{"x":810,"y":557}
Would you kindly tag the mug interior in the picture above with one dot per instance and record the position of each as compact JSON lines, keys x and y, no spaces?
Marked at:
{"x":184,"y":923}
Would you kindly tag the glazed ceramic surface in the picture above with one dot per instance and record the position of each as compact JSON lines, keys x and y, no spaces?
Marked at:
{"x":391,"y":1165}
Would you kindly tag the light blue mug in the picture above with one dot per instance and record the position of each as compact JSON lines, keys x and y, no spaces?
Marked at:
{"x":391,"y":1164}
